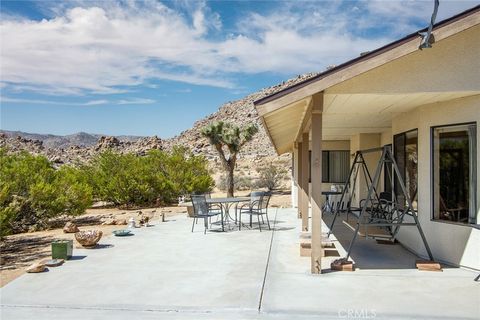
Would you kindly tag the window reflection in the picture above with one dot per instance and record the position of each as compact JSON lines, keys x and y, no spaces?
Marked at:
{"x":453,"y":171}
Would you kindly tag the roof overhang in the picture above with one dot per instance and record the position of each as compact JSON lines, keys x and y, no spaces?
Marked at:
{"x":284,"y":113}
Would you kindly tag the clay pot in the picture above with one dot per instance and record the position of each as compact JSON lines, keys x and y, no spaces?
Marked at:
{"x":88,"y":238}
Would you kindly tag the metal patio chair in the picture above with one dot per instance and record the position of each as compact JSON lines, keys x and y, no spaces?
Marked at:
{"x":258,"y":206}
{"x":214,"y":207}
{"x":201,"y":210}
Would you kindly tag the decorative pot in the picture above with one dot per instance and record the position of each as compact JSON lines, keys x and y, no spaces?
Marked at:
{"x":89,"y":238}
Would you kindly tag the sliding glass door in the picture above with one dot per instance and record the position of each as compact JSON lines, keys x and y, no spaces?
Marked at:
{"x":454,"y":173}
{"x":405,"y":149}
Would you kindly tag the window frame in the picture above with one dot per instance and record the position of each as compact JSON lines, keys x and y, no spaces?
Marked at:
{"x":388,"y":180}
{"x":404,"y":173}
{"x":328,"y":166}
{"x":473,"y":178}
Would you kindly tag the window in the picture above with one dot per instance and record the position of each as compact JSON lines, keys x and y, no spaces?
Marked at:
{"x":406,"y":155}
{"x":335,"y":166}
{"x":454,"y":173}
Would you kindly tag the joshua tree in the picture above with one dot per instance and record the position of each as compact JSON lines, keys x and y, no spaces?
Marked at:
{"x":227,"y":137}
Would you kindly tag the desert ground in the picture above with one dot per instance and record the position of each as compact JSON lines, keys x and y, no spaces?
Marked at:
{"x":19,"y":251}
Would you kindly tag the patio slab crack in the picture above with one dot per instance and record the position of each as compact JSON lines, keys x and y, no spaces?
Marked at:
{"x":268,"y":262}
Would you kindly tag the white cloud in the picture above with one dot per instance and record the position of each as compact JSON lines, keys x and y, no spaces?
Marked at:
{"x":96,"y":102}
{"x":105,"y":47}
{"x":52,"y":102}
{"x":135,"y":101}
{"x":421,"y":9}
{"x":94,"y":50}
{"x":131,"y":101}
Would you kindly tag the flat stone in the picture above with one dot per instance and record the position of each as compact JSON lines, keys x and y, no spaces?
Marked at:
{"x":36,"y":268}
{"x":53,"y":262}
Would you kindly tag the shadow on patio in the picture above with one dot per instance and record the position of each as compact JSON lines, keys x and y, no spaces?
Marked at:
{"x":367,"y":253}
{"x":386,"y":283}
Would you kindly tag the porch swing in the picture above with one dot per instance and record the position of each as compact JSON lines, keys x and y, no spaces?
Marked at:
{"x":382,"y":210}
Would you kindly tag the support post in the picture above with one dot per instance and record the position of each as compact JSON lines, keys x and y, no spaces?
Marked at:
{"x":316,"y":195}
{"x":305,"y":175}
{"x":299,"y":180}
{"x":294,"y":175}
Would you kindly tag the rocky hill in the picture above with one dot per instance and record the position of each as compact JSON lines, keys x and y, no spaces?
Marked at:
{"x":82,"y":146}
{"x":81,"y":139}
{"x":74,"y":154}
{"x":241,"y":112}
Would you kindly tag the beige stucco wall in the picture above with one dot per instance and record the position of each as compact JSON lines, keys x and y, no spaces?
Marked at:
{"x":450,"y":66}
{"x":326,"y":145}
{"x":451,"y":243}
{"x":386,"y":138}
{"x":364,"y":141}
{"x":336,"y":145}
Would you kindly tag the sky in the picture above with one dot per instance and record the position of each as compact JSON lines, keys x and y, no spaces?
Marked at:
{"x":155,"y":67}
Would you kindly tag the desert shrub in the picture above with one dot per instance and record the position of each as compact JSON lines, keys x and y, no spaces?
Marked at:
{"x":32,"y":191}
{"x":240,"y":183}
{"x":158,"y":177}
{"x":271,"y":176}
{"x":184,"y":172}
{"x":122,"y":179}
{"x":74,"y":189}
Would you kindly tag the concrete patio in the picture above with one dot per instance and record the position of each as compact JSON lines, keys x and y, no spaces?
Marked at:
{"x":167,"y":272}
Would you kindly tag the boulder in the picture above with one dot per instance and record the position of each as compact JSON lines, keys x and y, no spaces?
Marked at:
{"x":106,"y":142}
{"x":109,"y":222}
{"x":36,"y":268}
{"x":70,"y":227}
{"x":120,"y":222}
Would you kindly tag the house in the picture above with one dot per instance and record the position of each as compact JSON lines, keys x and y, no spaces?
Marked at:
{"x":425,"y":103}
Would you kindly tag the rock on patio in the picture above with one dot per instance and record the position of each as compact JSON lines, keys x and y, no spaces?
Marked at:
{"x":167,"y":272}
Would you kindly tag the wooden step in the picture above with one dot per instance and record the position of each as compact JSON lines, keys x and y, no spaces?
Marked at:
{"x":342,"y":265}
{"x":326,"y":243}
{"x":305,"y":235}
{"x":306,"y":248}
{"x":427,"y":265}
{"x":308,"y":235}
{"x":331,"y":252}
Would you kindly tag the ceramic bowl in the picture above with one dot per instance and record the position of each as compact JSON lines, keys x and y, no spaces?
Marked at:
{"x":122,"y":233}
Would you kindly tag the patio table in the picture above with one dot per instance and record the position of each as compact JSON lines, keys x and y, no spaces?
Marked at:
{"x":327,"y":207}
{"x":226,"y":204}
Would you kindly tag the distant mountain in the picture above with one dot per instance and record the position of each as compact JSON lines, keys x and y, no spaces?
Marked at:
{"x":82,"y":146}
{"x":80,"y":139}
